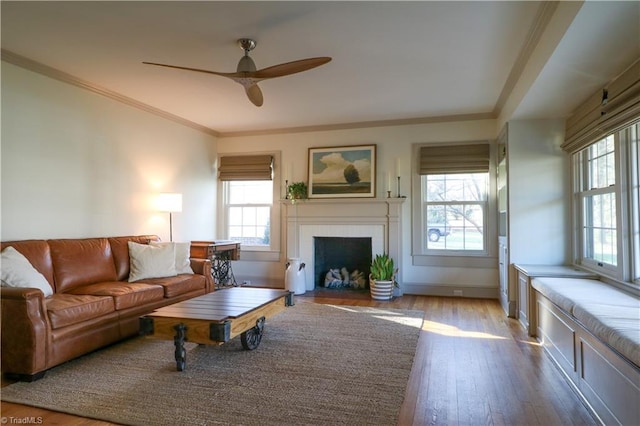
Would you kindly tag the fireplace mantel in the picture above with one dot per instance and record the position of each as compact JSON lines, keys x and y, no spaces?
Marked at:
{"x":378,"y":218}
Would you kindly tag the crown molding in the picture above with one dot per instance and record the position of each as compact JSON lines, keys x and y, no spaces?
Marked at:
{"x":542,"y":19}
{"x":362,"y":124}
{"x":40,"y":68}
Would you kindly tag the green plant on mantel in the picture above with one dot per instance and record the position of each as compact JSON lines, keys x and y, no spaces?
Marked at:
{"x":297,"y":191}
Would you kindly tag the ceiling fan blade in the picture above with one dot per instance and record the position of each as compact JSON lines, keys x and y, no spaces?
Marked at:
{"x":223,"y":74}
{"x":254,"y":94}
{"x":290,"y":68}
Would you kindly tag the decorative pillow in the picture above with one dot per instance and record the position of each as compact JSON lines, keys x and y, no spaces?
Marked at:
{"x":147,"y":261}
{"x":17,"y":271}
{"x":183,"y":253}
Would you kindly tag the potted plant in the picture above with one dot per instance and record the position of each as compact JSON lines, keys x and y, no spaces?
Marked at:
{"x":382,"y":277}
{"x":297,"y":191}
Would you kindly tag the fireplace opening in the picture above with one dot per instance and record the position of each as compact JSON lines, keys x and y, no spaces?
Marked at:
{"x":342,"y":262}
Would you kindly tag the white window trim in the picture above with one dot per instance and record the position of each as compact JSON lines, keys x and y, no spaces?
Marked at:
{"x":486,"y":258}
{"x":627,"y":272}
{"x":257,"y":253}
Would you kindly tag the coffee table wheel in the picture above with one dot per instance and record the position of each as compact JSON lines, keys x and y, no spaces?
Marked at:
{"x":180,"y":352}
{"x":251,"y":338}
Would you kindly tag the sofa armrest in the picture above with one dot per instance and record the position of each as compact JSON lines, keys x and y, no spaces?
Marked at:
{"x":25,"y":331}
{"x":203,"y":267}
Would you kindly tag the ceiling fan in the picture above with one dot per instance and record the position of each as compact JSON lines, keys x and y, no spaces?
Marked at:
{"x":248,"y":76}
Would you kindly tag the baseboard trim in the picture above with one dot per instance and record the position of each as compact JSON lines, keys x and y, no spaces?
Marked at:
{"x":450,"y":291}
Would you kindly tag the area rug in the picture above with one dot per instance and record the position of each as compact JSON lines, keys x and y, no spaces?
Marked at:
{"x":316,"y":365}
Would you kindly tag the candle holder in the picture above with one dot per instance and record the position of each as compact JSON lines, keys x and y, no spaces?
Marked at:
{"x":286,"y":189}
{"x":388,"y":194}
{"x":399,"y":196}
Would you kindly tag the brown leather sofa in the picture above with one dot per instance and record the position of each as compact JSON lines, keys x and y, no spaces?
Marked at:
{"x":92,"y":304}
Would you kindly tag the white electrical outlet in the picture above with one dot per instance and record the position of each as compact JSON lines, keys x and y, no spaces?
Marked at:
{"x":457,"y":293}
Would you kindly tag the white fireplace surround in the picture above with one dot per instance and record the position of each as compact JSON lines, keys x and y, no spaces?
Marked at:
{"x":376,"y":218}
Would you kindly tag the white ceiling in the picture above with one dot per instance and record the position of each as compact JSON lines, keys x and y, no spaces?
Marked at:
{"x":391,"y":60}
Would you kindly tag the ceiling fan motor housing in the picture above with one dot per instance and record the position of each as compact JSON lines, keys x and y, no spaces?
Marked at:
{"x":246,"y":64}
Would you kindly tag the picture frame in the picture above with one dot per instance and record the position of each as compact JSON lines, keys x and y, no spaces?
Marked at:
{"x":342,"y":172}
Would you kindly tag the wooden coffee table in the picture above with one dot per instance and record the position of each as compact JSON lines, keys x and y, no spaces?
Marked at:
{"x":216,"y":318}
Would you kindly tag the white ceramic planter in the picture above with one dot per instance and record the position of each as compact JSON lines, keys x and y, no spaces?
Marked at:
{"x":381,"y":290}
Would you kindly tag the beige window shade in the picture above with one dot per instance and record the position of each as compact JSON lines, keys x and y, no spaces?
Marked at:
{"x":435,"y":160}
{"x":246,"y":167}
{"x":613,"y":108}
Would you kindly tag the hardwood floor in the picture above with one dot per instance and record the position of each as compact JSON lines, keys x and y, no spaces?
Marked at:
{"x":473,"y":366}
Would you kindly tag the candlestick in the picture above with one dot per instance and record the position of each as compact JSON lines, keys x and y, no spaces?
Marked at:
{"x":389,"y":181}
{"x":388,"y":194}
{"x":399,"y":196}
{"x":286,"y":189}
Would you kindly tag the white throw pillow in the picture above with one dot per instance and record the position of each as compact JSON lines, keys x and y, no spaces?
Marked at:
{"x":17,"y":271}
{"x":147,"y":261}
{"x":183,"y":253}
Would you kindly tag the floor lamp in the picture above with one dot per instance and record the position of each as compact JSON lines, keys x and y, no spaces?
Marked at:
{"x":170,"y":202}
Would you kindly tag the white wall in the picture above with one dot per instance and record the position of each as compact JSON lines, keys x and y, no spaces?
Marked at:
{"x":77,"y":164}
{"x":392,"y":143}
{"x":539,"y":193}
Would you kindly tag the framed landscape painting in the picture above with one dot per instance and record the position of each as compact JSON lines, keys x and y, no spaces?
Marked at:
{"x":342,"y":171}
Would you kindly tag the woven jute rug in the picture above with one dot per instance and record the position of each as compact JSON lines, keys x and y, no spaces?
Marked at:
{"x":316,"y":365}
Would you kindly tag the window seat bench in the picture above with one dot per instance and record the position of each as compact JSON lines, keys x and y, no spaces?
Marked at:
{"x":592,"y":331}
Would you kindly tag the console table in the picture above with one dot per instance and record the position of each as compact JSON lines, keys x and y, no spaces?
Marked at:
{"x":221,"y":253}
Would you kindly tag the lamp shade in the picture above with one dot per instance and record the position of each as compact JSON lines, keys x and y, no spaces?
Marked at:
{"x":169,"y":202}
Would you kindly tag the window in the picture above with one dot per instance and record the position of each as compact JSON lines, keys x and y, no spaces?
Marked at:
{"x":249,"y":212}
{"x":606,"y":197}
{"x":602,"y":137}
{"x":454,"y":208}
{"x":598,"y":197}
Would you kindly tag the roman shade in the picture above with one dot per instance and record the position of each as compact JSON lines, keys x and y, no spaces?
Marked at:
{"x":468,"y":158}
{"x":246,"y":167}
{"x":607,"y":111}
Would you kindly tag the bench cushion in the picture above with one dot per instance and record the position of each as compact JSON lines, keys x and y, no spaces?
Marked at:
{"x":610,"y":314}
{"x":618,"y":326}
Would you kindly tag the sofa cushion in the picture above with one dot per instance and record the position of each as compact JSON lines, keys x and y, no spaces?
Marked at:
{"x":81,"y":261}
{"x":68,"y":309}
{"x":151,"y":261}
{"x":37,"y":253}
{"x":120,"y":251}
{"x":179,"y":284}
{"x":183,"y":253}
{"x":125,"y":295}
{"x":16,"y":271}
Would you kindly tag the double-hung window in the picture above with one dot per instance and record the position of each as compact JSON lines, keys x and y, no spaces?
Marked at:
{"x":602,"y":137}
{"x":598,"y":203}
{"x":452,"y":209}
{"x":606,"y":201}
{"x":248,"y":211}
{"x":249,"y":214}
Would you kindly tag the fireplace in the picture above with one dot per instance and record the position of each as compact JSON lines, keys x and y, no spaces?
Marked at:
{"x":341,"y":263}
{"x":376,"y":220}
